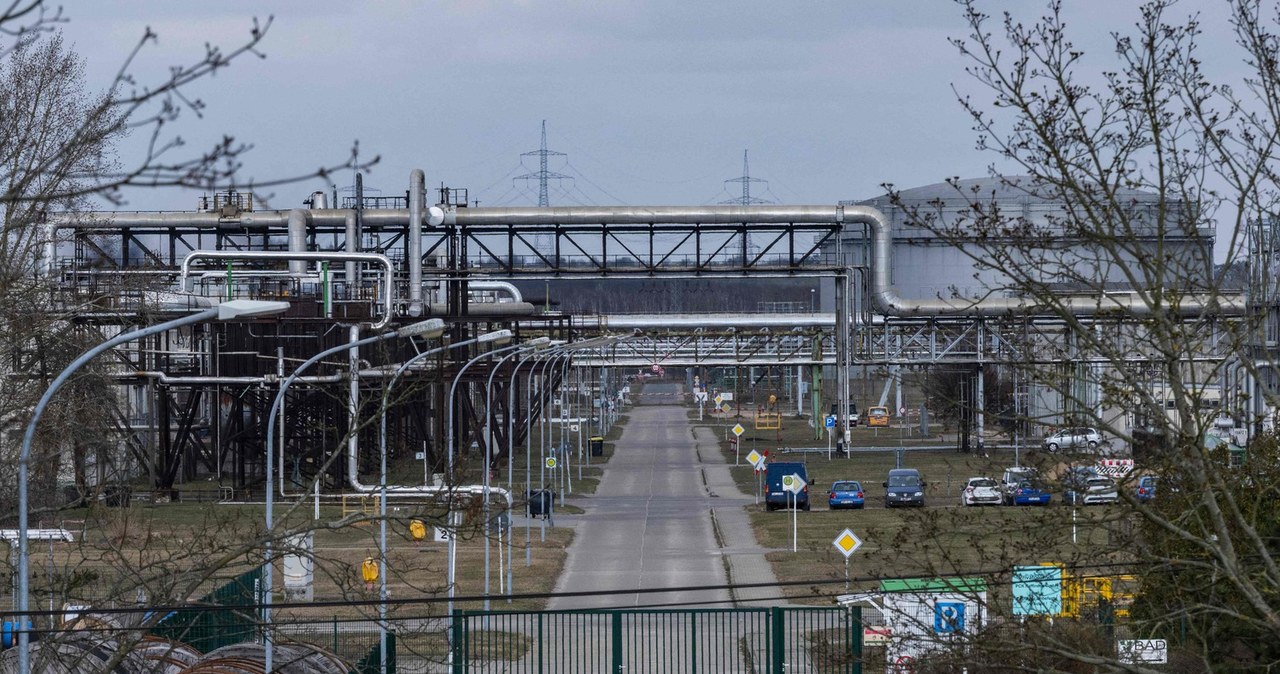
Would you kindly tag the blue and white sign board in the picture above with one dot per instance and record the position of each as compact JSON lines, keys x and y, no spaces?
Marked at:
{"x":1037,"y":590}
{"x":829,"y":422}
{"x":948,"y":617}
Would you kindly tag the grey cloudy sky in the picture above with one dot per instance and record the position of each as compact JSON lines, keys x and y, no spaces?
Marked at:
{"x":653,"y":102}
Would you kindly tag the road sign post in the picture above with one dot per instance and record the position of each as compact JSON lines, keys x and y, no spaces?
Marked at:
{"x":794,"y":484}
{"x":757,"y":461}
{"x":847,"y":543}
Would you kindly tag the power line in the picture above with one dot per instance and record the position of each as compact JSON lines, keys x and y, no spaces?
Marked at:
{"x":746,"y":181}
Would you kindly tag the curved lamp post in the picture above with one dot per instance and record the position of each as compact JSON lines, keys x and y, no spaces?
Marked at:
{"x":453,"y":540}
{"x":531,"y":345}
{"x":382,"y":484}
{"x":226,"y":311}
{"x":428,"y":329}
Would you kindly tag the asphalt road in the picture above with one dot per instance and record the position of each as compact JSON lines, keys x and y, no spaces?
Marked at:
{"x":649,"y":523}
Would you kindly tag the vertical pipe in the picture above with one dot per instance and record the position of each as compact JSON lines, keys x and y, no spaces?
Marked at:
{"x":417,"y":193}
{"x":353,"y":246}
{"x":297,"y":239}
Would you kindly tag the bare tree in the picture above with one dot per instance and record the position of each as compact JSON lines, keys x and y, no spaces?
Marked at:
{"x":1121,"y":176}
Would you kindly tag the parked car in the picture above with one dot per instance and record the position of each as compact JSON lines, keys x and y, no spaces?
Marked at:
{"x":1014,"y":476}
{"x":1031,"y":492}
{"x":1089,"y":489}
{"x":1079,"y":437}
{"x":845,"y":494}
{"x":1146,"y":490}
{"x":904,"y":486}
{"x":775,"y":496}
{"x":980,"y":490}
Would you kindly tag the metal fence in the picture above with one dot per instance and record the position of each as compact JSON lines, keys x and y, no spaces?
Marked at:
{"x":754,"y":641}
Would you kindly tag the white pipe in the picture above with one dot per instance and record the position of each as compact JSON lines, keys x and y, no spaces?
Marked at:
{"x":185,"y":268}
{"x":297,"y":239}
{"x":417,"y":193}
{"x":509,"y":288}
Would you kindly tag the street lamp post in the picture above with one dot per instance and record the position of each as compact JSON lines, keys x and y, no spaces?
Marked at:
{"x":226,"y":311}
{"x":382,"y":483}
{"x":532,"y":345}
{"x":429,"y":329}
{"x":453,"y":543}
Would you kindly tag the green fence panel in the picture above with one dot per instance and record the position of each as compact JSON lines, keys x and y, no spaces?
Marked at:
{"x":214,"y":627}
{"x":821,"y":640}
{"x":372,"y":661}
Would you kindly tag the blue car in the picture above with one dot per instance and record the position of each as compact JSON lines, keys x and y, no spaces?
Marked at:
{"x":1146,"y":490}
{"x":1031,"y":493}
{"x":845,"y":494}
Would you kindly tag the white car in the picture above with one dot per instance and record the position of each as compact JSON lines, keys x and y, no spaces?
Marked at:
{"x":979,"y":491}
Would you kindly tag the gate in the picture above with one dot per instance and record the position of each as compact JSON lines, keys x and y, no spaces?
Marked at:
{"x":825,"y":640}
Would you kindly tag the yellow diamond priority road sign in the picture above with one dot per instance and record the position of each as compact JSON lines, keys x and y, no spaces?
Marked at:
{"x":719,"y":398}
{"x":738,"y":430}
{"x":756,"y":459}
{"x":847,"y":543}
{"x":725,"y":408}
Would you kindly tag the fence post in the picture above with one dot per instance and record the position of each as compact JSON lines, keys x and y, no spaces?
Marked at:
{"x":777,"y":641}
{"x":855,"y":638}
{"x":457,"y":652}
{"x":616,"y":625}
{"x":335,"y":636}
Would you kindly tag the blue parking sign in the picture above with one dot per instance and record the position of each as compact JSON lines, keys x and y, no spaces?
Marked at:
{"x":829,"y":422}
{"x":948,"y":617}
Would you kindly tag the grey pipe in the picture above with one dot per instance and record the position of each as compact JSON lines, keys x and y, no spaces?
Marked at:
{"x":185,"y":268}
{"x":319,"y":201}
{"x":887,"y":302}
{"x":417,"y":192}
{"x":297,"y":240}
{"x":353,"y":246}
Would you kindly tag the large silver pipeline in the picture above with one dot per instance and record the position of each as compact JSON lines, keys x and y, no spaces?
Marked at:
{"x":883,"y":298}
{"x":886,"y":301}
{"x":372,"y":258}
{"x":417,"y":193}
{"x":297,"y":240}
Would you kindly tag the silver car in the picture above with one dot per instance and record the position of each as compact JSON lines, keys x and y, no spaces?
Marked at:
{"x":1078,"y":437}
{"x":1092,"y":490}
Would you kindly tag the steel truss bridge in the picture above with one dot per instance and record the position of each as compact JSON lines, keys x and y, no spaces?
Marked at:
{"x":194,"y":403}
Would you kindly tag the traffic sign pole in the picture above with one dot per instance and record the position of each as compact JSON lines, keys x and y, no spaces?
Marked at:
{"x":793,"y":521}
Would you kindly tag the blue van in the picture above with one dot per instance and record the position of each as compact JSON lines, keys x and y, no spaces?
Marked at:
{"x":904,"y":486}
{"x":774,"y":495}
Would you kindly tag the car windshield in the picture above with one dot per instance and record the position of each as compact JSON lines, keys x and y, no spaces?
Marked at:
{"x":846,"y":486}
{"x":903,"y":481}
{"x":984,"y":482}
{"x":1100,"y":482}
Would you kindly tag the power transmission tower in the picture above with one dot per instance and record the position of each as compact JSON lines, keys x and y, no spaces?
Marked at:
{"x":543,"y":175}
{"x":746,"y":199}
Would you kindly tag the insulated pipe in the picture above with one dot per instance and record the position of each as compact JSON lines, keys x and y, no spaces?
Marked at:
{"x":886,"y":301}
{"x":194,"y":255}
{"x":319,"y":201}
{"x":353,"y":246}
{"x":509,"y":288}
{"x":417,"y":193}
{"x":297,"y":240}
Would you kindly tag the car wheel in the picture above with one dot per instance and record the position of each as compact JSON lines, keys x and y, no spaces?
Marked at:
{"x":1093,"y":445}
{"x":805,"y":507}
{"x":770,"y":507}
{"x":858,"y":507}
{"x":1052,"y":447}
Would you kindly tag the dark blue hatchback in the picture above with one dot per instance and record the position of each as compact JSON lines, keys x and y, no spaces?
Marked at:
{"x":845,"y":494}
{"x":1031,"y":492}
{"x":1146,"y":490}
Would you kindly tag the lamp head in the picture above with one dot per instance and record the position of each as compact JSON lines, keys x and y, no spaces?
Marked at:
{"x":496,"y":338}
{"x":428,"y":329}
{"x":234,"y":309}
{"x":539,"y":343}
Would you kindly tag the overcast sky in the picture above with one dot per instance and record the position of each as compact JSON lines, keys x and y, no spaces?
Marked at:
{"x":653,"y":102}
